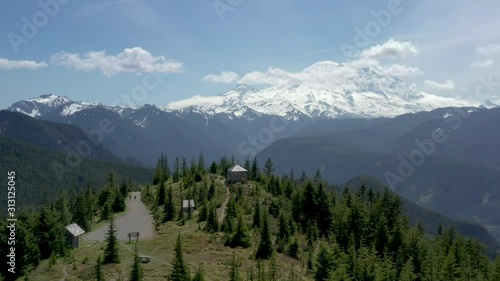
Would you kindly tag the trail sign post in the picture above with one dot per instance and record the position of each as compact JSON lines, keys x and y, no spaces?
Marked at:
{"x":133,"y":235}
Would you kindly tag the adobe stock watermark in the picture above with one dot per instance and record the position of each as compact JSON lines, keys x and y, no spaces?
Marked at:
{"x":427,"y":147}
{"x":363,"y":36}
{"x":31,"y":26}
{"x":264,"y":137}
{"x":223,"y":6}
{"x":84,"y":148}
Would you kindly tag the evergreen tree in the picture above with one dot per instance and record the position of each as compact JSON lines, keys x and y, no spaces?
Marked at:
{"x":201,"y":163}
{"x":203,"y":214}
{"x":158,"y":175}
{"x":168,"y":207}
{"x":106,"y":211}
{"x":407,"y":273}
{"x":268,"y":167}
{"x":177,"y":172}
{"x":257,"y":215}
{"x":165,"y":167}
{"x":265,"y":249}
{"x":98,"y":269}
{"x":254,"y":172}
{"x":240,"y":238}
{"x":324,"y":263}
{"x":211,"y":190}
{"x":184,"y":167}
{"x":136,"y":273}
{"x":180,"y":269}
{"x":247,"y":164}
{"x":199,"y":276}
{"x":161,"y":193}
{"x":111,"y":254}
{"x":212,"y":221}
{"x":118,"y":204}
{"x":234,"y":274}
{"x":124,"y":189}
{"x":213,"y":168}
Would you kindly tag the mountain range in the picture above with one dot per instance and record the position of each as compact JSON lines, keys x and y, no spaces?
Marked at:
{"x":439,"y":152}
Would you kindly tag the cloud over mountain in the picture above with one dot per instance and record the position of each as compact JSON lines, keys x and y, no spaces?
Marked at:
{"x":136,"y":60}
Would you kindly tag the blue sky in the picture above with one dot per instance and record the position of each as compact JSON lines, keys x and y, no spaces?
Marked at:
{"x":104,"y":50}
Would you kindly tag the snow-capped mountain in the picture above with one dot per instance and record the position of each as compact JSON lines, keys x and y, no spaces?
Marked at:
{"x":39,"y":106}
{"x":324,"y":90}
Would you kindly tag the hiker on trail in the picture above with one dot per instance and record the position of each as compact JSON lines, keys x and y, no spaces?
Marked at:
{"x":134,"y":197}
{"x":130,"y":197}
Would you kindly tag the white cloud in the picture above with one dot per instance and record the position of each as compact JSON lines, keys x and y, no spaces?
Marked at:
{"x":488,"y":50}
{"x":446,"y":85}
{"x":327,"y":72}
{"x":135,"y":60}
{"x":21,"y":64}
{"x":481,"y":63}
{"x":398,"y":70}
{"x":391,"y":49}
{"x":224,"y":77}
{"x":273,"y":76}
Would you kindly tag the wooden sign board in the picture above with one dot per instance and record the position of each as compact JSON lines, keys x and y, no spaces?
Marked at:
{"x":133,"y":235}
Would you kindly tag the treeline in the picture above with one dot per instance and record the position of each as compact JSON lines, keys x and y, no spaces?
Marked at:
{"x":40,"y":232}
{"x":338,"y":235}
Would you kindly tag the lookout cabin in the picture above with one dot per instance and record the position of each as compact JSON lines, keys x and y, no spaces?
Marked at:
{"x":236,"y":174}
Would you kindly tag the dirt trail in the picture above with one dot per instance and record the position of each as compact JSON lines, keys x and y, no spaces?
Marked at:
{"x":137,"y":219}
{"x":222,"y":209}
{"x":65,"y":274}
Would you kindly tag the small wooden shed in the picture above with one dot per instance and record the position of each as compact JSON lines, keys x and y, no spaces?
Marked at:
{"x":74,"y":235}
{"x":187,"y":204}
{"x":236,"y":174}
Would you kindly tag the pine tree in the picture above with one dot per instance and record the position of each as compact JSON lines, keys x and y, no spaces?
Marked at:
{"x":324,"y":263}
{"x":234,"y":274}
{"x":257,"y":215}
{"x":240,"y":238}
{"x":211,"y":190}
{"x":199,"y":276}
{"x":161,"y":194}
{"x":136,"y":273}
{"x":180,"y":269}
{"x":190,"y":212}
{"x":165,"y":168}
{"x":106,"y":211}
{"x":255,"y":173}
{"x":265,"y":249}
{"x":201,"y":163}
{"x":273,"y":270}
{"x":212,"y":221}
{"x":184,"y":167}
{"x":247,"y":164}
{"x":111,"y":254}
{"x":268,"y":167}
{"x":169,"y":208}
{"x":124,"y":188}
{"x":176,"y":175}
{"x":407,"y":273}
{"x":213,"y":168}
{"x":98,"y":269}
{"x":158,"y":175}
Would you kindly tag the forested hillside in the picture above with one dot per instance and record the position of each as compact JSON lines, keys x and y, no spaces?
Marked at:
{"x":275,"y":228}
{"x":41,"y":174}
{"x":54,"y":136}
